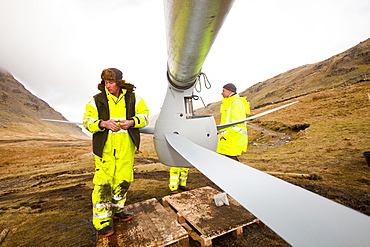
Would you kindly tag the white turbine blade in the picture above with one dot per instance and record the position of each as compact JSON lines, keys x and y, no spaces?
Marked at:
{"x":145,"y":130}
{"x":61,"y":121}
{"x":300,"y":217}
{"x":222,"y":126}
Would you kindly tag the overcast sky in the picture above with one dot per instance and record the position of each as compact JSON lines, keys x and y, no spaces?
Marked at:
{"x":58,"y":48}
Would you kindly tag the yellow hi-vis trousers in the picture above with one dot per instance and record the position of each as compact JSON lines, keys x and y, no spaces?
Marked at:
{"x":112,"y":180}
{"x":178,"y":175}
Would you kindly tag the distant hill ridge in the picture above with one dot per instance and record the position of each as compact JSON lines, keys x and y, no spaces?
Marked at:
{"x":21,"y":111}
{"x":349,"y":67}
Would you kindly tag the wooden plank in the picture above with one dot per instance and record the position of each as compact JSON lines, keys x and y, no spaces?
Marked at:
{"x":152,"y":225}
{"x":198,"y":209}
{"x":3,"y":234}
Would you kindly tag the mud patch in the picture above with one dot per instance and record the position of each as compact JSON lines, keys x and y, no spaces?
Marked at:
{"x":355,"y":199}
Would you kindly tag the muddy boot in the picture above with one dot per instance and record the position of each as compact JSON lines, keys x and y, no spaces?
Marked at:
{"x":185,"y":188}
{"x":122,"y":216}
{"x":107,"y":231}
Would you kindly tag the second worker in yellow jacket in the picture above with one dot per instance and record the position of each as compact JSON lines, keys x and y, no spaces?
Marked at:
{"x":233,"y":140}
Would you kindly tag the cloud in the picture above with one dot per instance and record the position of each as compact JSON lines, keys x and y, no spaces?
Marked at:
{"x":58,"y":48}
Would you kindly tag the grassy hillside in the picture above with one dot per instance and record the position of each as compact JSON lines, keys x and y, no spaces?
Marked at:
{"x":330,"y":132}
{"x":347,"y":68}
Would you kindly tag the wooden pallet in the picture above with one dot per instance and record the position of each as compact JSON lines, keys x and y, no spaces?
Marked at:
{"x":197,"y":212}
{"x":151,"y":225}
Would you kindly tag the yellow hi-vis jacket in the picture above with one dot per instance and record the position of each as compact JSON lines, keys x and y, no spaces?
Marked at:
{"x":233,"y":140}
{"x":114,"y":167}
{"x":118,"y":145}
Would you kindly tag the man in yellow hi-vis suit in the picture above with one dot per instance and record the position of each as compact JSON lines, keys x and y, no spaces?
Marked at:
{"x":114,"y":117}
{"x":232,"y":141}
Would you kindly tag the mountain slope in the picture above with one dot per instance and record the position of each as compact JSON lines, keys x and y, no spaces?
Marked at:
{"x":349,"y":67}
{"x":21,"y":111}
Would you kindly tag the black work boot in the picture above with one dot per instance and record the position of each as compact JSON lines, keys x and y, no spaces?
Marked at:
{"x":185,"y":188}
{"x":107,"y":231}
{"x":122,"y":216}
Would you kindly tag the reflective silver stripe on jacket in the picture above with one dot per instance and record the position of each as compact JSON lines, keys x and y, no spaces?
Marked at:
{"x":109,"y":204}
{"x":144,"y":116}
{"x":102,"y":205}
{"x":240,"y":130}
{"x":120,"y":131}
{"x":90,"y":120}
{"x":118,"y":205}
{"x":118,"y":198}
{"x":137,"y":99}
{"x":102,"y":215}
{"x":183,"y":178}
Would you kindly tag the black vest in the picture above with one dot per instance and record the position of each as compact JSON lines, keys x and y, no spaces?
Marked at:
{"x":101,"y":102}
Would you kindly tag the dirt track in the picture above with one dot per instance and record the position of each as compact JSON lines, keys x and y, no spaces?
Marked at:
{"x":277,"y":139}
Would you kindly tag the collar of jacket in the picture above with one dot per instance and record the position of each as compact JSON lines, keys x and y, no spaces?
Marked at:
{"x":113,"y":97}
{"x":227,"y":101}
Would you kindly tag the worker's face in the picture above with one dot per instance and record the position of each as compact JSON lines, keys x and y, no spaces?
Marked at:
{"x":226,"y":93}
{"x":112,"y":87}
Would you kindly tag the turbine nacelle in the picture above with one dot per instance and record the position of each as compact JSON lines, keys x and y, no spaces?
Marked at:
{"x":177,"y":117}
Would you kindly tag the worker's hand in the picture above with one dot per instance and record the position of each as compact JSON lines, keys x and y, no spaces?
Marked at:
{"x":125,"y":124}
{"x":110,"y":124}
